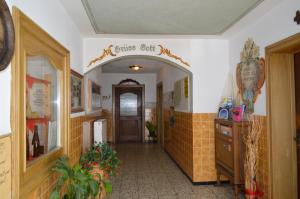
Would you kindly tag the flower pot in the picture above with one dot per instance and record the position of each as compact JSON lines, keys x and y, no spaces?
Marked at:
{"x":152,"y":139}
{"x":252,"y":191}
{"x":96,"y":171}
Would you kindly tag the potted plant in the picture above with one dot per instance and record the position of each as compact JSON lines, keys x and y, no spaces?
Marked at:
{"x":101,"y":161}
{"x":152,"y":131}
{"x":102,"y":157}
{"x":77,"y":181}
{"x":108,"y":159}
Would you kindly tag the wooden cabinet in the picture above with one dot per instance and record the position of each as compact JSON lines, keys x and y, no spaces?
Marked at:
{"x":230,"y":151}
{"x":40,"y":104}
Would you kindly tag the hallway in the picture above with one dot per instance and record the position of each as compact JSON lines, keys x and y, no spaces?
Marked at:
{"x":148,"y":172}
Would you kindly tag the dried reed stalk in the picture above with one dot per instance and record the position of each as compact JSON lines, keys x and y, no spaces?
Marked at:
{"x":251,"y":140}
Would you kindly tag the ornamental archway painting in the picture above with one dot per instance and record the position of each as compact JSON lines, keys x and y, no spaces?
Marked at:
{"x":250,"y":74}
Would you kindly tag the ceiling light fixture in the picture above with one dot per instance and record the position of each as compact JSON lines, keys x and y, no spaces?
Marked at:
{"x":135,"y":67}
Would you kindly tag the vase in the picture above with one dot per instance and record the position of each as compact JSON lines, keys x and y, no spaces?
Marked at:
{"x":96,"y":171}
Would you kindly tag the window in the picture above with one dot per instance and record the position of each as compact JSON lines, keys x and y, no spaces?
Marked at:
{"x":128,"y":104}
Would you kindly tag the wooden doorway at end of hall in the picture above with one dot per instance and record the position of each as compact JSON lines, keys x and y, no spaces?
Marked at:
{"x":159,"y":113}
{"x":129,"y":113}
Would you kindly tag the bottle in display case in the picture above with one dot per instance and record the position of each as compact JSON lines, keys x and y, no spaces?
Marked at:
{"x":36,"y":142}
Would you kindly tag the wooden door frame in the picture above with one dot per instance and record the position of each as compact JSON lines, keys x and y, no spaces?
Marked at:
{"x":114,"y":108}
{"x":290,"y":45}
{"x":160,"y":84}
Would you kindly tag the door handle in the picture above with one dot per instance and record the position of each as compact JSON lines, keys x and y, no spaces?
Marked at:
{"x":297,"y":137}
{"x":227,"y":146}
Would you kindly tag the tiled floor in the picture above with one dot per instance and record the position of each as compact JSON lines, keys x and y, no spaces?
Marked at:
{"x":148,"y":172}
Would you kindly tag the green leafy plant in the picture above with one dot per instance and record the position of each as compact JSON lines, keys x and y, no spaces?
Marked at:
{"x":79,"y":183}
{"x":108,"y":160}
{"x":90,"y":158}
{"x":151,"y":128}
{"x":103,"y":155}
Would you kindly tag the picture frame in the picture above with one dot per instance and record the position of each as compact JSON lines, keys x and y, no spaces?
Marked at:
{"x":94,"y":96}
{"x":7,"y":36}
{"x":38,"y":96}
{"x":223,"y":114}
{"x":77,"y":92}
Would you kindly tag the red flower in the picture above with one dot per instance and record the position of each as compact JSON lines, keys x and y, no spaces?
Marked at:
{"x":94,"y":163}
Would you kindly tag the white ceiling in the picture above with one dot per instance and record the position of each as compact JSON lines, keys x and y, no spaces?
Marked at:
{"x":157,"y":17}
{"x":122,"y":66}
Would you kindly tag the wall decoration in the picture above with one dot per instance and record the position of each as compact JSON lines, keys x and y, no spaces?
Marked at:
{"x":168,"y":99}
{"x":237,"y":113}
{"x":5,"y":167}
{"x":77,"y":92}
{"x":7,"y":36}
{"x":129,"y":49}
{"x":223,"y":114}
{"x":250,"y":74}
{"x":94,"y":96}
{"x":38,"y":98}
{"x":106,"y":52}
{"x":177,"y":93}
{"x":251,"y":140}
{"x":297,"y":17}
{"x":167,"y":52}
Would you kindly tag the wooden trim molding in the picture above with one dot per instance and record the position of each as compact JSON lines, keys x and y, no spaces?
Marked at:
{"x":128,"y":81}
{"x":33,"y":40}
{"x":280,"y":94}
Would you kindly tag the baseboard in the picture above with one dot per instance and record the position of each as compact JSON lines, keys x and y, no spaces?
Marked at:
{"x":195,"y":183}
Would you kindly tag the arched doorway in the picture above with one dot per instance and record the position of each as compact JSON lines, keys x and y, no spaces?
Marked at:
{"x":128,"y":111}
{"x":167,"y":74}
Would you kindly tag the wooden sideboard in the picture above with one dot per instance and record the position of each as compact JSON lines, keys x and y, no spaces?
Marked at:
{"x":229,"y":149}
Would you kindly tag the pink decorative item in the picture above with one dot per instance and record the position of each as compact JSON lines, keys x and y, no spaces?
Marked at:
{"x":237,"y":113}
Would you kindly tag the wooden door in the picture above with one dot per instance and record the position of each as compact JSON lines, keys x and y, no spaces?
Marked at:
{"x":282,"y":125}
{"x":297,"y":100}
{"x":128,"y":114}
{"x":159,"y":111}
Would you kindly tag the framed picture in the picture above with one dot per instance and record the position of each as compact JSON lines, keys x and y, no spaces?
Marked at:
{"x":38,"y":104}
{"x":223,"y":114}
{"x":94,"y":96}
{"x":77,"y":92}
{"x":7,"y":36}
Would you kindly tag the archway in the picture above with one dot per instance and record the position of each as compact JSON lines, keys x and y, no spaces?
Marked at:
{"x":168,"y":74}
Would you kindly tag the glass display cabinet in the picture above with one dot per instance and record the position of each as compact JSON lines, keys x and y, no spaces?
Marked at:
{"x":42,"y":107}
{"x":40,"y":103}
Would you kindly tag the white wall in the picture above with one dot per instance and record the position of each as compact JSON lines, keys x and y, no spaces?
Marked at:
{"x":52,"y":17}
{"x":208,"y":59}
{"x":275,"y":25}
{"x":168,"y":75}
{"x":94,"y":76}
{"x":210,"y":65}
{"x":108,"y":79}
